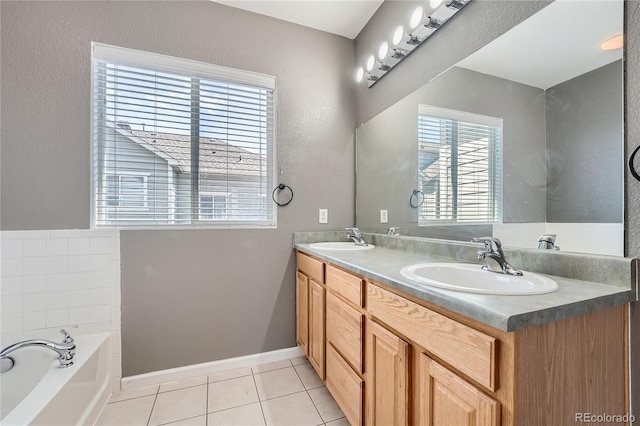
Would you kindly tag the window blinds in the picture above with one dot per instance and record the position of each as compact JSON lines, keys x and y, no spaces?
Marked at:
{"x":172,"y":135}
{"x":459,"y":166}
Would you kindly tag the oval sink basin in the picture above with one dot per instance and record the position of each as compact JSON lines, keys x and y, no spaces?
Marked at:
{"x":344,"y":246}
{"x":472,"y":279}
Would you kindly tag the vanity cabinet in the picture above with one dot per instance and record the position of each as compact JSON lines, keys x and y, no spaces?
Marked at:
{"x":302,"y":311}
{"x":394,"y":359}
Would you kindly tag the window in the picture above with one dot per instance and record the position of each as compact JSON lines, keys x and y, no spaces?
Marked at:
{"x":180,"y":143}
{"x":126,"y":191}
{"x":459,"y":167}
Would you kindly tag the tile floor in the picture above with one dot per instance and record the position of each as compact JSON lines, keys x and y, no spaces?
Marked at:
{"x":283,"y":393}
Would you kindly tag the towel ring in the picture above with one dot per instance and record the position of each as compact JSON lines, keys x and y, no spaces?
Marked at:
{"x":281,"y":187}
{"x":632,"y":168}
{"x":419,"y":196}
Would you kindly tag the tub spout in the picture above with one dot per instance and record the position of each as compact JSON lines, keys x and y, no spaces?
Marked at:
{"x":65,"y":350}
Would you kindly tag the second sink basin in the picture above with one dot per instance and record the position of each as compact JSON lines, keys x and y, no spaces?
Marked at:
{"x":344,"y":246}
{"x":472,"y":279}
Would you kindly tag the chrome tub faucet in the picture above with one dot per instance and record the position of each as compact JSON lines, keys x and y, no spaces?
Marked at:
{"x":356,"y":236}
{"x":493,"y":257}
{"x":547,"y":242}
{"x":66,"y":350}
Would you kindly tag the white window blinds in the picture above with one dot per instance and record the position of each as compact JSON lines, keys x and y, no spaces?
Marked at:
{"x":459,"y":167}
{"x":168,"y":133}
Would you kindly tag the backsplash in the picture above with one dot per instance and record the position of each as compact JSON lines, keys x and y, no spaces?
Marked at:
{"x":52,"y":279}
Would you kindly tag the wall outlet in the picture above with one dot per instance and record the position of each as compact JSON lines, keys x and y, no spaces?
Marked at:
{"x":323,"y":216}
{"x":384,"y":216}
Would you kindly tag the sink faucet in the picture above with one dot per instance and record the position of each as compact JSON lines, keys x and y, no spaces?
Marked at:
{"x":65,"y":350}
{"x":548,"y":242}
{"x":356,"y":236}
{"x":393,"y":231}
{"x":493,"y":257}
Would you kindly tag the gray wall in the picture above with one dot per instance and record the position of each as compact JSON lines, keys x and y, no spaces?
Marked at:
{"x":187,"y":296}
{"x":387,"y":150}
{"x":584,"y":130}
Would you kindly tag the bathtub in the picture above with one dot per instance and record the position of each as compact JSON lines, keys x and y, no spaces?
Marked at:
{"x":37,"y":392}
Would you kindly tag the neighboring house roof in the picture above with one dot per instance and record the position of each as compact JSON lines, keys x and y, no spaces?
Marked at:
{"x":216,"y":156}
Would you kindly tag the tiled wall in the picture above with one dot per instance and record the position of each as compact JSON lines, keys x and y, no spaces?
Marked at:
{"x":61,"y":278}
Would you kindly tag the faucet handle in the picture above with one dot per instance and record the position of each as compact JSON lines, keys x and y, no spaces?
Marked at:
{"x":393,"y":230}
{"x":354,"y":231}
{"x":491,"y":243}
{"x":67,"y":337}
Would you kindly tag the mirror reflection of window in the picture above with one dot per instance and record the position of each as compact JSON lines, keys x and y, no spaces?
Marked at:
{"x":459,"y":166}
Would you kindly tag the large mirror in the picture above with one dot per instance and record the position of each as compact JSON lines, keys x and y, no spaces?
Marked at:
{"x":540,"y":109}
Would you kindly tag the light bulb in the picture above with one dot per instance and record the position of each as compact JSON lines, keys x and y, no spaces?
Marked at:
{"x":384,"y":49}
{"x":416,"y":17}
{"x":359,"y":74}
{"x":370,"y":63}
{"x":398,"y":34}
{"x":435,"y":3}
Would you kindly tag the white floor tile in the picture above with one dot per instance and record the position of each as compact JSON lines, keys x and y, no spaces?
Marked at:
{"x":273,"y":384}
{"x":181,"y":384}
{"x":130,"y":412}
{"x":294,"y":410}
{"x":134,"y":393}
{"x":247,"y":415}
{"x":179,"y":404}
{"x":229,"y":374}
{"x":308,"y":375}
{"x":193,"y":421}
{"x":325,"y":404}
{"x":340,"y":422}
{"x":270,"y":366}
{"x":232,"y":393}
{"x":299,"y":360}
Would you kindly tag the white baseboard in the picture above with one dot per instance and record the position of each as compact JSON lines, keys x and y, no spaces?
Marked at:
{"x":195,"y":370}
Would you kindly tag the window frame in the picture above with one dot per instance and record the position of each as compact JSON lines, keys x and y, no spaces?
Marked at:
{"x":170,"y":64}
{"x":497,"y":159}
{"x":120,"y":207}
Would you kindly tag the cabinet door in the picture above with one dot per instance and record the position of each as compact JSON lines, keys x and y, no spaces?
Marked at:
{"x":316,"y":327}
{"x":302,"y":311}
{"x":388,"y":378}
{"x":448,"y":400}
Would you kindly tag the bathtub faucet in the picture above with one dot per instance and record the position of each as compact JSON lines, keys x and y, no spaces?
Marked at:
{"x":65,"y":350}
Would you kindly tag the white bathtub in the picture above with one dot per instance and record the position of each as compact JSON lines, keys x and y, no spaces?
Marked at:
{"x":37,"y":392}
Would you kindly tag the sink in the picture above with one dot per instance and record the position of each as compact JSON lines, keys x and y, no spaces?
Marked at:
{"x":472,"y":279}
{"x":344,"y":246}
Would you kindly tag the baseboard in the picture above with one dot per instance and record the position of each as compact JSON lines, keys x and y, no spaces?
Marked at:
{"x":195,"y":370}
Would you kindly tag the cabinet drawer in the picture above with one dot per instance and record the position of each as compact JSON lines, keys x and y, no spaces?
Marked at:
{"x":346,"y":285}
{"x":344,"y":330}
{"x":310,"y":266}
{"x":468,"y":350}
{"x":346,"y":386}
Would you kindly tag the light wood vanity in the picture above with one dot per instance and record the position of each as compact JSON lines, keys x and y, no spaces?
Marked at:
{"x":392,"y":359}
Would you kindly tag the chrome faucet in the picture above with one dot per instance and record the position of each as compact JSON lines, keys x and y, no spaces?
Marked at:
{"x":548,"y":242}
{"x":493,"y":257}
{"x":65,"y":350}
{"x":393,"y":231}
{"x":356,"y":236}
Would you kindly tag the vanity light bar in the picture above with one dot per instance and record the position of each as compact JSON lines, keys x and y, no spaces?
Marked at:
{"x":405,"y":42}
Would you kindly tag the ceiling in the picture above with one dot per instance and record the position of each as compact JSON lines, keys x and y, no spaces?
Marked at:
{"x":342,"y":17}
{"x":560,"y":42}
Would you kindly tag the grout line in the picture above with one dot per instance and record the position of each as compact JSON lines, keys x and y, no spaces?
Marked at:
{"x":309,"y":395}
{"x":176,"y":421}
{"x":269,"y":371}
{"x":153,"y":406}
{"x":258,"y":395}
{"x":234,"y":407}
{"x":225,"y":380}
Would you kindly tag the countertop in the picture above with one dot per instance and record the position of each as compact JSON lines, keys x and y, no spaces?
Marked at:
{"x":509,"y":313}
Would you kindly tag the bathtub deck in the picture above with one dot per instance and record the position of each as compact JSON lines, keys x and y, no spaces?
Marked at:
{"x":277,"y":393}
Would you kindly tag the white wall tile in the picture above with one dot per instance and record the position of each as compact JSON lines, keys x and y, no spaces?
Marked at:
{"x":34,"y":265}
{"x":30,"y":235}
{"x":79,"y":280}
{"x":10,"y":285}
{"x":34,"y":302}
{"x":116,"y":295}
{"x":79,"y":246}
{"x":34,"y":248}
{"x":100,"y":296}
{"x":116,"y":342}
{"x":11,"y":267}
{"x":9,"y":235}
{"x":100,"y":262}
{"x":57,"y":300}
{"x":34,"y":320}
{"x":34,"y":284}
{"x":116,"y":365}
{"x":100,"y":314}
{"x":115,"y":318}
{"x":65,"y":233}
{"x":79,"y":316}
{"x":79,"y":298}
{"x":57,"y":264}
{"x":114,"y":248}
{"x":11,"y":323}
{"x":11,"y":304}
{"x":57,"y":247}
{"x":100,"y":245}
{"x":57,"y":282}
{"x":100,"y":279}
{"x":57,"y":318}
{"x":11,"y":248}
{"x":80,"y":263}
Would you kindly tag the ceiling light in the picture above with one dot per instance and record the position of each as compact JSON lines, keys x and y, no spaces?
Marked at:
{"x":359,"y":74}
{"x":370,"y":63}
{"x":398,"y":34}
{"x":416,"y":17}
{"x":613,"y":43}
{"x":435,"y":3}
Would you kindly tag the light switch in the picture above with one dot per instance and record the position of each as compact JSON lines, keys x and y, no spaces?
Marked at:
{"x":323,"y":216}
{"x":384,"y":216}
